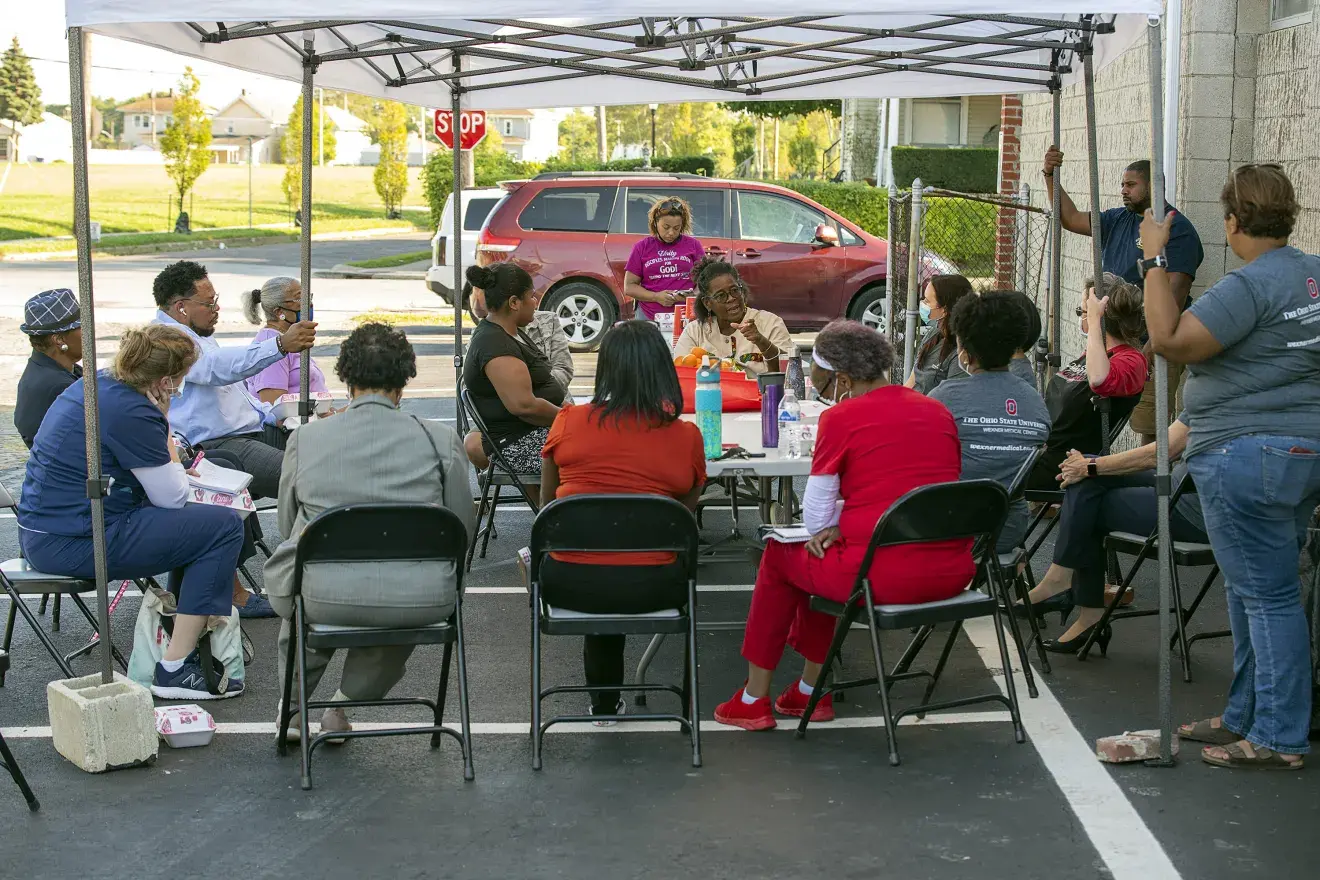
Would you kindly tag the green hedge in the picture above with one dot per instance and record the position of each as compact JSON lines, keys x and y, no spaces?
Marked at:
{"x":970,"y":170}
{"x":672,"y":164}
{"x":957,"y":229}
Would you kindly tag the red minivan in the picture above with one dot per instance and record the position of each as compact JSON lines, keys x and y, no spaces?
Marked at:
{"x":574,"y":231}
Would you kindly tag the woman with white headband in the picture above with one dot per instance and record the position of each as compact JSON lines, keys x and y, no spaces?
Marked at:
{"x":875,"y":443}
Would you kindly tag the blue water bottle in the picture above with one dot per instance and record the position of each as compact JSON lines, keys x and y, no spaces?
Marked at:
{"x":710,"y":405}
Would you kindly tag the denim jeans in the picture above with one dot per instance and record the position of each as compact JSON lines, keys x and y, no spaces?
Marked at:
{"x":1258,"y":497}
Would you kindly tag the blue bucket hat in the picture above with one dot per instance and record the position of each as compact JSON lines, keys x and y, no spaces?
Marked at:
{"x":52,"y":311}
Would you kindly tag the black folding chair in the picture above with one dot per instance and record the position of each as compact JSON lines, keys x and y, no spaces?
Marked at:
{"x":362,"y":533}
{"x":616,"y":524}
{"x":9,"y":762}
{"x":18,"y":579}
{"x":1186,"y":554}
{"x":972,"y":509}
{"x":498,"y":473}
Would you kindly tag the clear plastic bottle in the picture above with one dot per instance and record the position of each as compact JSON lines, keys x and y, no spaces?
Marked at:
{"x":790,"y":418}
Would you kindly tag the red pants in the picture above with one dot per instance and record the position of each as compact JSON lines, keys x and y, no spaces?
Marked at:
{"x":787,"y":579}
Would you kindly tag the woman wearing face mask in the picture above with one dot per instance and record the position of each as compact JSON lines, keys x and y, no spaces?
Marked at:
{"x":277,"y":304}
{"x":149,"y":525}
{"x":659,"y":270}
{"x":726,"y":326}
{"x":941,"y":295}
{"x":1112,"y":366}
{"x":875,"y":443}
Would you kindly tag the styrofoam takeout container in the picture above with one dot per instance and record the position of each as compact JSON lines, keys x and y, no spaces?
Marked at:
{"x":185,"y":727}
{"x":287,"y":407}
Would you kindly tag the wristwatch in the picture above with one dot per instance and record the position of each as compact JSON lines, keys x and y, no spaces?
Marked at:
{"x":1144,"y":266}
{"x":1091,"y":469}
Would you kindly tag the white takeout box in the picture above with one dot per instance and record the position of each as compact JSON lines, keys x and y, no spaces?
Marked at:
{"x":242,"y":502}
{"x":185,"y":727}
{"x":287,"y":407}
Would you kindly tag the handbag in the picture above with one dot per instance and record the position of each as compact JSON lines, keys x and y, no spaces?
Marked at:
{"x":222,"y":646}
{"x":737,"y":392}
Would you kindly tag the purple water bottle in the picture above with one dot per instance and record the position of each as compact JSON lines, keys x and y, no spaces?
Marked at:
{"x":772,"y":392}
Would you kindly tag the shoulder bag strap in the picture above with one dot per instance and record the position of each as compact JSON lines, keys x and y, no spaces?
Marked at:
{"x":439,"y":462}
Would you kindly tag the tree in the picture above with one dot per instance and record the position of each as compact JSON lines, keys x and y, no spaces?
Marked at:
{"x":577,"y":137}
{"x":20,"y":97}
{"x":391,"y":174}
{"x":185,"y":144}
{"x":291,"y":150}
{"x":491,"y":164}
{"x":785,"y":109}
{"x":804,"y":150}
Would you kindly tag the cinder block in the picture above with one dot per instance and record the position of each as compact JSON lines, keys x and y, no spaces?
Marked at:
{"x":1253,"y":16}
{"x":1208,"y":138}
{"x":1134,"y":745}
{"x":1217,"y":16}
{"x":1209,"y":95}
{"x":1209,"y":52}
{"x":101,"y":727}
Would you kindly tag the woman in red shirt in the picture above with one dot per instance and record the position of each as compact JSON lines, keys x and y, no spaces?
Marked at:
{"x":876,"y":443}
{"x":628,"y":440}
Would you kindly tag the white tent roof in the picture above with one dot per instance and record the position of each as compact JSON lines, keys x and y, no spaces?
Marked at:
{"x":533,"y":53}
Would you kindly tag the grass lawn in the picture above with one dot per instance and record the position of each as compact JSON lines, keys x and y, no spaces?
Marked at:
{"x":38,"y":199}
{"x":391,"y":262}
{"x":405,"y":319}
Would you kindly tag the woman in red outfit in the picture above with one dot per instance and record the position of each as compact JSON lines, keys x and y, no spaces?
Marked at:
{"x":628,"y":440}
{"x":875,"y":443}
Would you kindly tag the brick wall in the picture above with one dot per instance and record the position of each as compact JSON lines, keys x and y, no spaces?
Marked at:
{"x":1288,"y":118}
{"x":1010,"y":123}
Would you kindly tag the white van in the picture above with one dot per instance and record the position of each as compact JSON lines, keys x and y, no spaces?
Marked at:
{"x":477,"y":205}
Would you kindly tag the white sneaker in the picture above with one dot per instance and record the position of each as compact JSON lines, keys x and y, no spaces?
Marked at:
{"x":620,"y":709}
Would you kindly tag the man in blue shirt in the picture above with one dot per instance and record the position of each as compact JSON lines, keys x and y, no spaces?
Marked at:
{"x":216,"y":410}
{"x":1120,"y":251}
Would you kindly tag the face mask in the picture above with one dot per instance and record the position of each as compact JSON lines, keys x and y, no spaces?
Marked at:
{"x":291,"y":317}
{"x":925,"y":313}
{"x":1081,"y":328}
{"x":177,"y":392}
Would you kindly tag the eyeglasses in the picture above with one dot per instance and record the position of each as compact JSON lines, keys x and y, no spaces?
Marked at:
{"x":725,"y":296}
{"x":213,"y":305}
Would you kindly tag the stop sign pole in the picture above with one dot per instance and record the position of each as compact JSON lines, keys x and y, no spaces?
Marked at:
{"x":471,"y":128}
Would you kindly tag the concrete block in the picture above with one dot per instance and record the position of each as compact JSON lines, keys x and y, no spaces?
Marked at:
{"x":1208,"y":218}
{"x":1215,"y":16}
{"x":1253,"y":16}
{"x":1203,"y":179}
{"x":1242,"y":148}
{"x":1245,"y":61}
{"x":1209,"y":95}
{"x":1209,"y":53}
{"x":1244,"y":98}
{"x":101,"y":727}
{"x":1208,"y":138}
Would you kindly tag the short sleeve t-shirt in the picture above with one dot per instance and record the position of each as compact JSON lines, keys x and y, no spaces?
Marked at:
{"x":1120,"y":244}
{"x":623,"y":456}
{"x":489,"y":341}
{"x":133,"y":435}
{"x":285,"y":374}
{"x":1074,"y":421}
{"x":1021,"y":367}
{"x":1266,"y":315}
{"x":882,"y":445}
{"x":706,"y":336}
{"x":663,"y":267}
{"x":1001,"y":421}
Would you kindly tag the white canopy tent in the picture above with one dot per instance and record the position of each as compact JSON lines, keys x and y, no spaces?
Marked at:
{"x":539,"y":54}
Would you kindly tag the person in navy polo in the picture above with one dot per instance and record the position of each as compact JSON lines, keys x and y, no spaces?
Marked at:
{"x":1120,"y":251}
{"x":51,"y":321}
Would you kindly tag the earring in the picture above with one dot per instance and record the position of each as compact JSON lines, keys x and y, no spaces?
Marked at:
{"x":64,"y":346}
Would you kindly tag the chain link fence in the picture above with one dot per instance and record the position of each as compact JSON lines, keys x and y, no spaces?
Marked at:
{"x":997,"y":242}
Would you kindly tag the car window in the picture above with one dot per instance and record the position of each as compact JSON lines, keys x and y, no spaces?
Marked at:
{"x":767,"y":217}
{"x":477,"y":212}
{"x":707,"y":206}
{"x":570,"y":209}
{"x":847,"y":238}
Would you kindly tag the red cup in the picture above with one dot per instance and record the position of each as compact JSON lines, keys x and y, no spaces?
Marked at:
{"x":691,"y":308}
{"x":678,"y":321}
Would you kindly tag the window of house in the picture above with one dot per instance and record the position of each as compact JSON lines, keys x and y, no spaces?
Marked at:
{"x":1290,"y":13}
{"x":508,"y":126}
{"x":936,"y":122}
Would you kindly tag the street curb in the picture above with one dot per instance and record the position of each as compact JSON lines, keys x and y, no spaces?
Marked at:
{"x":166,"y":247}
{"x":343,"y":270}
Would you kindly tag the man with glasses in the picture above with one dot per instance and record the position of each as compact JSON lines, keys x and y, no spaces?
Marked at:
{"x":216,"y":411}
{"x":1120,"y":254}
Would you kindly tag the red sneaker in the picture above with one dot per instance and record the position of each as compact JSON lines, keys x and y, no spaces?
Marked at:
{"x":793,"y":702}
{"x":748,"y":716}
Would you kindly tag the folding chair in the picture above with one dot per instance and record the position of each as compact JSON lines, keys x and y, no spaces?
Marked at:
{"x":9,"y":762}
{"x":1015,"y":562}
{"x":1186,"y":554}
{"x":363,"y":533}
{"x":19,"y":579}
{"x":252,"y":523}
{"x":972,"y":509}
{"x":497,"y":474}
{"x":614,"y":524}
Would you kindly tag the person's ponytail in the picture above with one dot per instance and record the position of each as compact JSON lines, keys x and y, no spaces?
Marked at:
{"x":500,"y":282}
{"x":251,"y":302}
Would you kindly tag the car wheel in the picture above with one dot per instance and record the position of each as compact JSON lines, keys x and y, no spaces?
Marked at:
{"x":584,"y":311}
{"x":872,"y":309}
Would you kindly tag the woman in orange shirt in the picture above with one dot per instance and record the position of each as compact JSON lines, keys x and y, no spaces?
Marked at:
{"x":628,"y":440}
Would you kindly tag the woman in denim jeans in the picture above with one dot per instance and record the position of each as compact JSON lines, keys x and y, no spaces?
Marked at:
{"x":1252,"y":343}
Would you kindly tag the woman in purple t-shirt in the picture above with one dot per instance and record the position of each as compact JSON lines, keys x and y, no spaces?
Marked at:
{"x":278,"y":302}
{"x":659,"y":270}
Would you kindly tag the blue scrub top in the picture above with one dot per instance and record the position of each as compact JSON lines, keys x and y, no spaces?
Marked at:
{"x":133,"y":435}
{"x":1120,"y":243}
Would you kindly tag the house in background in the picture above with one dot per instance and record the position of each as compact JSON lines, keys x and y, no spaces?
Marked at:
{"x":352,"y":139}
{"x":50,"y":140}
{"x":145,"y":120}
{"x":872,"y":125}
{"x":248,"y":123}
{"x":529,"y":135}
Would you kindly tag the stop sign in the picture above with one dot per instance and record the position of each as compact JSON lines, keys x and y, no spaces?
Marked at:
{"x":471,"y":125}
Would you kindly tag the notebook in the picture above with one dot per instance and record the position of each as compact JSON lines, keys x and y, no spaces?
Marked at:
{"x":786,"y":534}
{"x":214,"y":478}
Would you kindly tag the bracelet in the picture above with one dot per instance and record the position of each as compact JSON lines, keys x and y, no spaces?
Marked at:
{"x":279,"y":345}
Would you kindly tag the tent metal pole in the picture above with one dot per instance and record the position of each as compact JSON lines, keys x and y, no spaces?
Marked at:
{"x":305,"y":238}
{"x":1163,"y":488}
{"x":97,"y":485}
{"x":1092,"y":166}
{"x":913,"y":283}
{"x":456,"y":132}
{"x":1055,"y":303}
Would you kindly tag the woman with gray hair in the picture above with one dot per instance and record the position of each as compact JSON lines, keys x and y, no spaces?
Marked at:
{"x":277,"y":304}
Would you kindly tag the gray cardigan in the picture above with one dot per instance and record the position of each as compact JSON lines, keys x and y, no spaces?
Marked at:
{"x":371,"y":453}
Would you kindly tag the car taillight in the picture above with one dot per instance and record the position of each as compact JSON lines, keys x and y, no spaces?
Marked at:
{"x":495,"y":244}
{"x":438,"y":251}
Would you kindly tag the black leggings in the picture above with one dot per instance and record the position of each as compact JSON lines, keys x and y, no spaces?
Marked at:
{"x":610,"y":589}
{"x":1099,"y":505}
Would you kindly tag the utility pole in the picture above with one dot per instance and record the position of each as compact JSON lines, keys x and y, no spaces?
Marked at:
{"x":320,"y":101}
{"x":776,"y":166}
{"x":249,"y":181}
{"x":760,"y":148}
{"x":601,"y":153}
{"x":654,"y":107}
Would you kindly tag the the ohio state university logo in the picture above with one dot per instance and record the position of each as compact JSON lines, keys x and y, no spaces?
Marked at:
{"x":1010,"y":406}
{"x":1313,"y":288}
